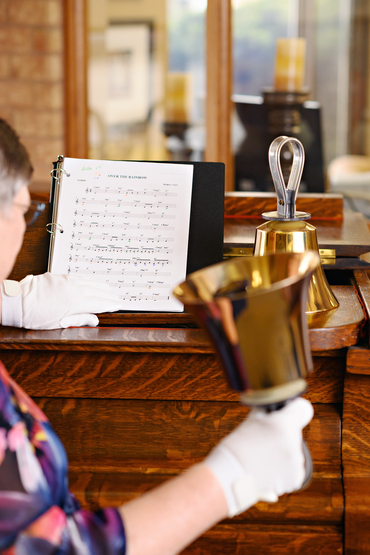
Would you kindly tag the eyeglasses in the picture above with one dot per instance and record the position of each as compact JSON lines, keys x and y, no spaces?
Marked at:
{"x":32,"y":212}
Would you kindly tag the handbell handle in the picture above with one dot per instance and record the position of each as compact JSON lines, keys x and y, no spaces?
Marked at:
{"x":308,"y":462}
{"x":286,"y":195}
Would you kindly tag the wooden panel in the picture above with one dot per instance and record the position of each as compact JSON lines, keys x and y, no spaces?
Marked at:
{"x":268,"y":540}
{"x":147,"y":375}
{"x":325,"y":383}
{"x":321,"y":502}
{"x":120,"y":449}
{"x":356,"y":426}
{"x":356,"y":463}
{"x":119,"y":479}
{"x":167,"y":436}
{"x":357,"y":516}
{"x":249,"y":205}
{"x":148,"y":319}
{"x":358,"y":360}
{"x":119,"y":375}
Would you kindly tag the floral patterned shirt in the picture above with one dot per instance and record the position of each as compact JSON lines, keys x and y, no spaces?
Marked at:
{"x":38,"y":514}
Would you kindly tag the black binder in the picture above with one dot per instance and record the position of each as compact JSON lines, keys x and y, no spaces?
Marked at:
{"x":206,"y":233}
{"x":206,"y":225}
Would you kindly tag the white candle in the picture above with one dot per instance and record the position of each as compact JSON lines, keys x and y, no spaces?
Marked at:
{"x":290,"y":64}
{"x":178,"y":96}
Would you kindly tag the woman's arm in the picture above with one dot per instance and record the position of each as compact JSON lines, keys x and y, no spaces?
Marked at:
{"x":165,"y":520}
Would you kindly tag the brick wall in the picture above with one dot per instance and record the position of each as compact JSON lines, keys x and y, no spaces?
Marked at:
{"x":31,"y":79}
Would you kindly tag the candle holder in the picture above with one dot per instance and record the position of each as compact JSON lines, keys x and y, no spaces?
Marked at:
{"x":284,"y":110}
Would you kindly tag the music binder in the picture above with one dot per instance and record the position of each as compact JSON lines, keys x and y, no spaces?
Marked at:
{"x":204,"y":226}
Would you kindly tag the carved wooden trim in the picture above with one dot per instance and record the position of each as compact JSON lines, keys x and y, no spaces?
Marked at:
{"x":75,"y":45}
{"x":321,"y":206}
{"x":219,"y":87}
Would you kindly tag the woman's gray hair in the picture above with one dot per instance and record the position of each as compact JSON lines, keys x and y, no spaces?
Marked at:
{"x":15,"y":166}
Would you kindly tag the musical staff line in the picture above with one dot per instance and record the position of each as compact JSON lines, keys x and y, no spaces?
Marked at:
{"x":114,"y":224}
{"x":146,"y":285}
{"x":123,"y":203}
{"x":123,"y":238}
{"x":128,"y":192}
{"x":120,"y":250}
{"x":134,"y":260}
{"x":142,"y":227}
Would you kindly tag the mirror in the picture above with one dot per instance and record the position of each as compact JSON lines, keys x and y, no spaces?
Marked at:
{"x":146,"y":79}
{"x":167,"y":119}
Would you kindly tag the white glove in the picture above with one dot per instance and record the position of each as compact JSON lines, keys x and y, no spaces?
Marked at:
{"x":262,"y":458}
{"x":49,"y":301}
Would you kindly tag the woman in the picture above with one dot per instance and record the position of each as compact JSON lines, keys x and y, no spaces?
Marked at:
{"x":260,"y":460}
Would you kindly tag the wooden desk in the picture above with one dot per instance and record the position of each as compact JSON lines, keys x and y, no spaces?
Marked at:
{"x":135,"y":405}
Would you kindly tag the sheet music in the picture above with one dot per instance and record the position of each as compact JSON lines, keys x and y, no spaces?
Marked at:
{"x":126,"y":224}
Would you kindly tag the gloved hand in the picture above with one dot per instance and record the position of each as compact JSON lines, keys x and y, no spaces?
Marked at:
{"x":51,"y":301}
{"x":262,"y":458}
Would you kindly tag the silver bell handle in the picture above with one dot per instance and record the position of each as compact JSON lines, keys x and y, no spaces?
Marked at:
{"x":286,"y":194}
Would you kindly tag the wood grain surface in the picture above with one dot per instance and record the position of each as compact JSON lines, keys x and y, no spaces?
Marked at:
{"x":330,"y":331}
{"x":356,"y":463}
{"x":113,"y":459}
{"x":357,"y":516}
{"x":147,"y":375}
{"x":358,"y":360}
{"x":105,"y":435}
{"x":356,"y":426}
{"x":269,"y":540}
{"x":322,"y":206}
{"x":322,"y":502}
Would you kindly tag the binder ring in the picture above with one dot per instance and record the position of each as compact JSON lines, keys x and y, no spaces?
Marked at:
{"x":56,"y":225}
{"x":59,"y":170}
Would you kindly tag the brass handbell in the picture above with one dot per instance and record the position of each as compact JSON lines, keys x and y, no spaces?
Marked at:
{"x":253,"y":309}
{"x":286,"y":230}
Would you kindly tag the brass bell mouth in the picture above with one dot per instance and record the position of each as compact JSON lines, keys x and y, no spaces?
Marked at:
{"x":286,"y":229}
{"x":253,"y":309}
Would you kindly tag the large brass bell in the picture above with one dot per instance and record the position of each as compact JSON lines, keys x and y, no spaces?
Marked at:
{"x":253,"y":309}
{"x":286,"y":230}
